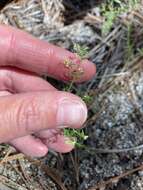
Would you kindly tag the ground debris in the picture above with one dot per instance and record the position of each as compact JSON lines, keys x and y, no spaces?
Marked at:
{"x":115,"y":123}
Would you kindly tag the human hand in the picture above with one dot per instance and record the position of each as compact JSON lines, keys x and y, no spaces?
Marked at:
{"x":32,"y":111}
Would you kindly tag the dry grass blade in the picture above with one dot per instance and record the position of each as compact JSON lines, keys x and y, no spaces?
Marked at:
{"x":4,"y":2}
{"x":4,"y":187}
{"x":13,"y":157}
{"x":10,"y":183}
{"x":21,"y":176}
{"x":22,"y":168}
{"x":6,"y":156}
{"x":75,"y":163}
{"x":115,"y":179}
{"x":53,"y":175}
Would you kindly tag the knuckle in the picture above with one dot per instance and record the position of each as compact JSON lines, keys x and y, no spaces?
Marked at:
{"x":6,"y":80}
{"x":28,"y":116}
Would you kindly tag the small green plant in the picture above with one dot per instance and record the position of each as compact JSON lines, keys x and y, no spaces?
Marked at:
{"x":112,"y":9}
{"x":75,"y":69}
{"x":87,"y":99}
{"x":81,"y":51}
{"x":140,"y":51}
{"x":110,"y":15}
{"x":76,"y":136}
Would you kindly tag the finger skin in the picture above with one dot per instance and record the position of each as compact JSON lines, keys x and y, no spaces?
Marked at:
{"x":55,"y":140}
{"x":27,"y":113}
{"x":21,"y":50}
{"x":30,"y":146}
{"x":38,"y":147}
{"x":17,"y":81}
{"x":20,"y":81}
{"x":59,"y":143}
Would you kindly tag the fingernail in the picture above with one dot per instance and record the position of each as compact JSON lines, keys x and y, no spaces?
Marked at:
{"x":71,"y":113}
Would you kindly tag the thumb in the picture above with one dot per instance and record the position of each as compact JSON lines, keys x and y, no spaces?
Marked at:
{"x":27,"y":113}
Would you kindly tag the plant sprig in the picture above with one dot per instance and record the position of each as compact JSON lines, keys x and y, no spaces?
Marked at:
{"x":112,"y":9}
{"x":81,"y":51}
{"x":76,"y":136}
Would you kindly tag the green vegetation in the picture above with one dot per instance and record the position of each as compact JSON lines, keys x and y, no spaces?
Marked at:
{"x":76,"y":136}
{"x":81,"y":51}
{"x":112,"y":9}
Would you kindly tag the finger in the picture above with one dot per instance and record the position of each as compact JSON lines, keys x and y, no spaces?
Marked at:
{"x":4,"y":93}
{"x":24,"y":51}
{"x":34,"y":147}
{"x":20,"y":81}
{"x":59,"y":144}
{"x":30,"y":146}
{"x":17,"y":81}
{"x":55,"y":140}
{"x":28,"y":113}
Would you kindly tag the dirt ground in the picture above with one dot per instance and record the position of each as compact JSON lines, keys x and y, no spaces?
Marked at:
{"x":113,"y":157}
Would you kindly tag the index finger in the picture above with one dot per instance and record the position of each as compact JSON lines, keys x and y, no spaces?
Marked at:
{"x":22,"y":50}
